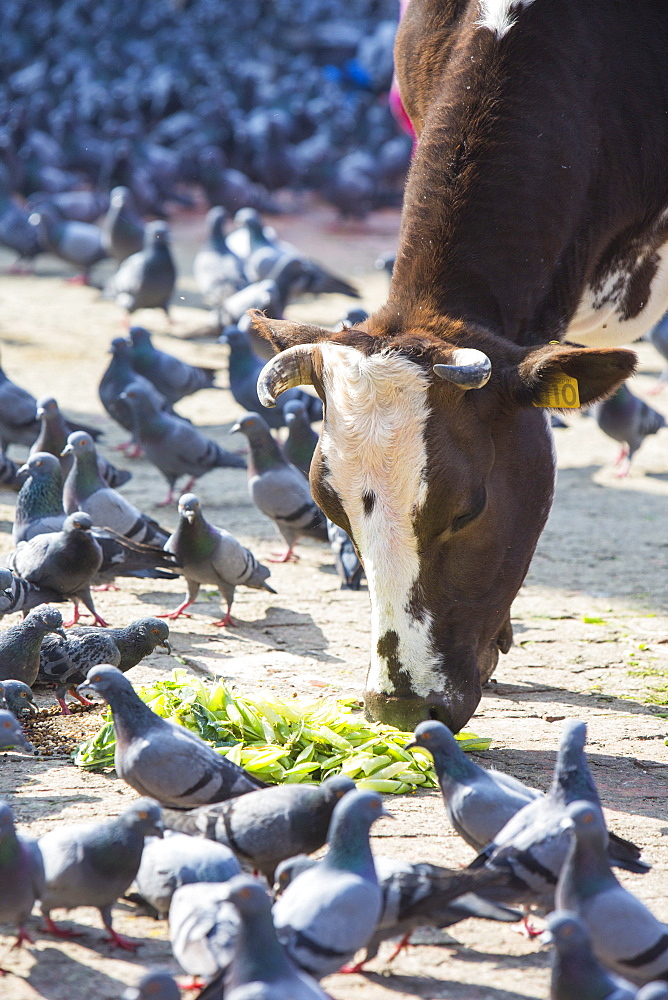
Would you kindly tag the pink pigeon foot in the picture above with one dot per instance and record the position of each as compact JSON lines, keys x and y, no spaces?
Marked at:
{"x":405,"y":941}
{"x":526,"y":930}
{"x":60,"y":931}
{"x":77,"y":279}
{"x":348,"y":969}
{"x":168,"y":502}
{"x":118,"y":941}
{"x":178,"y":612}
{"x":195,"y":984}
{"x":105,"y":586}
{"x":226,"y":620}
{"x":283,"y":557}
{"x":22,"y":937}
{"x":64,"y":706}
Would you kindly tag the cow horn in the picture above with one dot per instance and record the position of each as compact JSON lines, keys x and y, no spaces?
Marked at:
{"x":471,"y":369}
{"x":288,"y":369}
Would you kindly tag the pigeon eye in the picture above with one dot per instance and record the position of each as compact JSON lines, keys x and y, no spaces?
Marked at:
{"x":23,"y":694}
{"x":155,"y":631}
{"x":38,"y":463}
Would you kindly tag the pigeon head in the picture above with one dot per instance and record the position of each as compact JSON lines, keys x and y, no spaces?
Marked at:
{"x":352,"y":318}
{"x":587,"y":823}
{"x":336,"y":787}
{"x":216,"y":218}
{"x":6,"y":819}
{"x":47,"y":407}
{"x":248,"y":895}
{"x":138,"y":398}
{"x":79,"y":444}
{"x":120,"y":347}
{"x":156,"y":985}
{"x":189,"y":507}
{"x":107,"y":682}
{"x":434,"y":736}
{"x":120,"y":196}
{"x":47,"y":618}
{"x":43,"y":466}
{"x":145,"y":815}
{"x":17,"y":696}
{"x":353,"y":815}
{"x":79,"y":521}
{"x":252,"y":425}
{"x":567,"y":933}
{"x":6,"y":579}
{"x":235,"y":338}
{"x":11,"y":734}
{"x":157,"y":631}
{"x":156,"y":232}
{"x":288,"y":870}
{"x":294,"y":410}
{"x":250,"y":218}
{"x":139,"y":336}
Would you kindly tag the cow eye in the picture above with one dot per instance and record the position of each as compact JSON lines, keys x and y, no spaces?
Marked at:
{"x":475,"y":511}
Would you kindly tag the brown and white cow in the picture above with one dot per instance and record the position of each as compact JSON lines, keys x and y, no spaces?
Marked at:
{"x":536,"y":211}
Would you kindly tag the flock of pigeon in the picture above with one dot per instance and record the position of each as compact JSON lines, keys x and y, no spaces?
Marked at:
{"x":184,"y":850}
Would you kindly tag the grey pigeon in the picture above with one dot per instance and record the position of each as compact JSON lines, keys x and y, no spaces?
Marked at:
{"x":259,"y":969}
{"x":416,"y":895}
{"x":178,"y":860}
{"x":332,"y":910}
{"x":52,"y":438}
{"x":39,"y":505}
{"x":211,"y":555}
{"x":16,"y":697}
{"x":78,"y":206}
{"x":77,"y":243}
{"x":626,"y":937}
{"x":17,"y":594}
{"x":20,"y":644}
{"x":21,"y":873}
{"x":346,"y":560}
{"x":202,"y":928}
{"x":174,"y":379}
{"x":175,"y":447}
{"x":16,"y":232}
{"x":278,"y":489}
{"x":160,"y":759}
{"x":85,"y":490}
{"x":267,"y":826}
{"x":155,"y":985}
{"x":11,"y":734}
{"x":66,"y":664}
{"x":302,"y":440}
{"x":119,"y":375}
{"x":92,"y":864}
{"x":629,"y":420}
{"x":122,"y":229}
{"x":66,"y":561}
{"x":478,"y":802}
{"x":575,"y":970}
{"x":659,"y":338}
{"x":146,"y":279}
{"x":218,"y":271}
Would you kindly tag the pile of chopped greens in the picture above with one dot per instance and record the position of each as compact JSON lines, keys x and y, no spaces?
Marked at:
{"x":284,"y":741}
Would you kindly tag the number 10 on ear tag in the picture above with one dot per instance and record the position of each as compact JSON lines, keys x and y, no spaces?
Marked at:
{"x":561,"y":394}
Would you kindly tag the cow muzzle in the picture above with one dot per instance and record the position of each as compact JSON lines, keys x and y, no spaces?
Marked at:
{"x":406,"y":711}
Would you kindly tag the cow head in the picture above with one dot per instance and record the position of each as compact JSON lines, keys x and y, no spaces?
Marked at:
{"x":435,"y":461}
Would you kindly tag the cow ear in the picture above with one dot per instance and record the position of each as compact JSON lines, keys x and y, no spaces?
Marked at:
{"x":561,"y":377}
{"x":282,"y":333}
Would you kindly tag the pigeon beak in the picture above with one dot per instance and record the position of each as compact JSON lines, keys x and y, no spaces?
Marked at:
{"x":61,"y":633}
{"x":67,"y":450}
{"x":86,"y":689}
{"x":386,"y":815}
{"x":546,"y":938}
{"x":412,"y":746}
{"x":235,"y":429}
{"x":158,"y":829}
{"x":32,"y":707}
{"x":40,"y":412}
{"x":23,"y":470}
{"x":167,"y":644}
{"x":23,"y":742}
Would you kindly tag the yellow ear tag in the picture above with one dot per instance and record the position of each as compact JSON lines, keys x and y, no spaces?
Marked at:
{"x":561,"y":394}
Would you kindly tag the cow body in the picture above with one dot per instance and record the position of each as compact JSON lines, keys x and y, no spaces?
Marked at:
{"x":536,"y":212}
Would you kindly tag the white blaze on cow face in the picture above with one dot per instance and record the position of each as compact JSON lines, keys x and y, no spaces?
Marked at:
{"x":373,"y":442}
{"x":499,"y":15}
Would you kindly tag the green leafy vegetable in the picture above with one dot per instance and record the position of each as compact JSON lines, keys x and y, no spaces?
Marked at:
{"x":280,"y":741}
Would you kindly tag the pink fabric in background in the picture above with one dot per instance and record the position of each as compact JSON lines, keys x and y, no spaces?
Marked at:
{"x":396,"y":105}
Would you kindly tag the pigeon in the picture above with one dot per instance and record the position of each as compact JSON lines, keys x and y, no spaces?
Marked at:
{"x":21,"y":870}
{"x":178,"y":860}
{"x":213,"y":556}
{"x":78,"y":243}
{"x":16,"y":232}
{"x":52,"y":438}
{"x":68,"y":663}
{"x":625,"y":936}
{"x":302,"y":439}
{"x":478,"y":802}
{"x":332,"y":910}
{"x":86,"y":490}
{"x":244,"y":369}
{"x":653,"y":991}
{"x":119,"y":375}
{"x":66,"y":561}
{"x":16,"y":697}
{"x":12,"y":737}
{"x":346,"y":560}
{"x":155,"y":985}
{"x":146,"y":279}
{"x":203,"y":926}
{"x":92,"y":864}
{"x":122,"y":229}
{"x":278,"y":489}
{"x":39,"y":505}
{"x":174,"y":379}
{"x":77,"y":206}
{"x":259,"y":968}
{"x":160,"y":759}
{"x":20,"y":644}
{"x":174,"y":447}
{"x":265,"y":827}
{"x":352,"y":318}
{"x":627,"y":419}
{"x":415,"y":895}
{"x":19,"y":595}
{"x":658,"y":335}
{"x":534,"y":842}
{"x":218,"y":271}
{"x":575,"y":970}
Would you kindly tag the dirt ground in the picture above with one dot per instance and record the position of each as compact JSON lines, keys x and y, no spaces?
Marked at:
{"x":591,"y":629}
